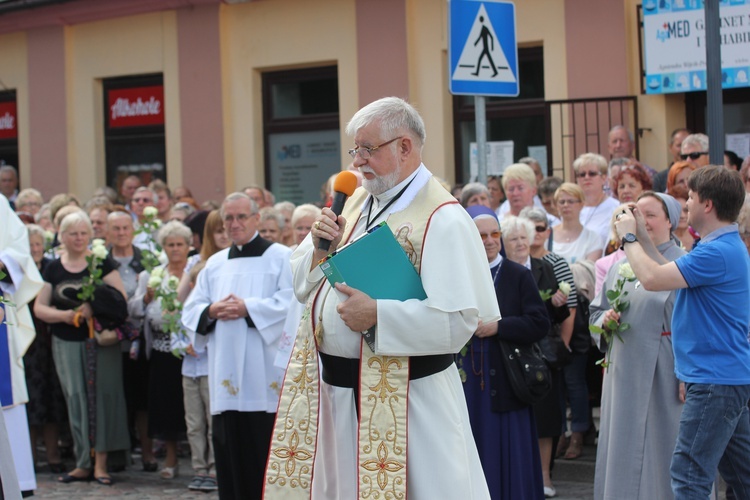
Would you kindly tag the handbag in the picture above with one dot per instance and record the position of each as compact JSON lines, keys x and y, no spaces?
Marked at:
{"x":106,"y":337}
{"x":527,"y":371}
{"x":554,"y":350}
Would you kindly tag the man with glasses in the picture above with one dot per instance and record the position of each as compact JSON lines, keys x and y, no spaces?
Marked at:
{"x":384,"y":360}
{"x":694,"y":149}
{"x":237,"y":309}
{"x":142,"y":198}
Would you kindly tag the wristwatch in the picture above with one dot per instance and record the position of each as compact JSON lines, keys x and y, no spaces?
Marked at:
{"x":628,"y":238}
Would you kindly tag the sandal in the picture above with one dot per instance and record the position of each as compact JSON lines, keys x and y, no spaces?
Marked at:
{"x":562,"y":446}
{"x":170,"y":472}
{"x":574,"y":448}
{"x":68,"y":478}
{"x":104,"y":480}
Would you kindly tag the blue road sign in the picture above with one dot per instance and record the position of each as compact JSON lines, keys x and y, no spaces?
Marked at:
{"x":482,"y":48}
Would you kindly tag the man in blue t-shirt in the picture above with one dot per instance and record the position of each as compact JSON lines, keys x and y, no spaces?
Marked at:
{"x":710,"y":327}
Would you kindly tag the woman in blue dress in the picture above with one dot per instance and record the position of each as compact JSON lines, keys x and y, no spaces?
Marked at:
{"x":503,"y":426}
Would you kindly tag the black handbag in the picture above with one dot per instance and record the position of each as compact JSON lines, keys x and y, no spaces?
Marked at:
{"x":554,"y":349}
{"x":527,"y":371}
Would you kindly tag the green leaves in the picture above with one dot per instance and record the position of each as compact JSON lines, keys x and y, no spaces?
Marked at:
{"x":545,"y":294}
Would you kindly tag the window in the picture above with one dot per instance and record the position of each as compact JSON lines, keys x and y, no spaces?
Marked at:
{"x":301,"y":129}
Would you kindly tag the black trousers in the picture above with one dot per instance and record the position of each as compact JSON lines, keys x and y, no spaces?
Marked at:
{"x":241,"y":442}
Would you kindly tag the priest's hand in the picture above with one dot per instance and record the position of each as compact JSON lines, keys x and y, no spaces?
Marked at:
{"x":486,"y":329}
{"x":229,"y":308}
{"x":359,"y":311}
{"x":326,"y":227}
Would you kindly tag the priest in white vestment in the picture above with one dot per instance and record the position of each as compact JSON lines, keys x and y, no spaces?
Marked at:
{"x":388,"y":416}
{"x":237,"y":309}
{"x":20,"y":285}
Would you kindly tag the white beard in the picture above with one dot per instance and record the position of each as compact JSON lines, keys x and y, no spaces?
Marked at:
{"x":380,"y":184}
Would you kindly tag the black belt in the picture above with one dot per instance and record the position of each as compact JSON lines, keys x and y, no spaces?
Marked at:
{"x":344,"y":372}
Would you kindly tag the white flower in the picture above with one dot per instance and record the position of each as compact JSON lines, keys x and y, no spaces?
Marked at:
{"x":49,"y":236}
{"x":157,"y":222}
{"x":150,"y":212}
{"x":564,"y":287}
{"x":154,"y":281}
{"x":158,"y":272}
{"x":172,"y":282}
{"x":97,"y":242}
{"x":99,"y":252}
{"x":626,"y":271}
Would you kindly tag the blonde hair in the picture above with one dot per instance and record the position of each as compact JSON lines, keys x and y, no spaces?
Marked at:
{"x":519,"y":172}
{"x":591,"y":159}
{"x":571,"y":189}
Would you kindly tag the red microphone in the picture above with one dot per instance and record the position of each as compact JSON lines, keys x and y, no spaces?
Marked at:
{"x":343,"y":187}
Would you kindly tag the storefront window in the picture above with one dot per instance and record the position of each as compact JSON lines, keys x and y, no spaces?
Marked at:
{"x":301,"y":127}
{"x":8,"y":129}
{"x":134,"y":129}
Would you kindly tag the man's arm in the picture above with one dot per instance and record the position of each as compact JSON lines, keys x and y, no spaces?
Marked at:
{"x":653,"y":276}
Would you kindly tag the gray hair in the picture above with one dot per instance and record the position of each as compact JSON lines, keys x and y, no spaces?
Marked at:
{"x":154,"y":194}
{"x":591,"y":159}
{"x":394,"y":115}
{"x":700,"y":140}
{"x":9,"y":168}
{"x":106,"y":192}
{"x":305,"y":210}
{"x":473,"y":189}
{"x":285,"y":206}
{"x":534,"y":214}
{"x":75,"y":218}
{"x":174,"y":228}
{"x":548,"y":186}
{"x":40,"y":214}
{"x":35,"y":230}
{"x":239,"y":196}
{"x":270,"y":213}
{"x":117,"y":214}
{"x":27,"y":196}
{"x":622,"y":127}
{"x":519,"y":172}
{"x":512,"y":224}
{"x":185,"y":208}
{"x":528,"y":160}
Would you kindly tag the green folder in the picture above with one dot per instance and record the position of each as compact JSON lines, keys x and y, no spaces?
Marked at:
{"x":375,"y":264}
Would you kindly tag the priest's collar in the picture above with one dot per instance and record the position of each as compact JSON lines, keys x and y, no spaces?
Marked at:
{"x":253,"y":248}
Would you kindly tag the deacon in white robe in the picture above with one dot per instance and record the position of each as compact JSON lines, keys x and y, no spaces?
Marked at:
{"x":19,"y":287}
{"x":442,"y":242}
{"x":238,"y":308}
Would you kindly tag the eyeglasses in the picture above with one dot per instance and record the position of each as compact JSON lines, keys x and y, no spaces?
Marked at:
{"x":590,"y":173}
{"x":494,"y":235}
{"x":142,"y":200}
{"x":567,"y":202}
{"x":694,"y":155}
{"x":540,"y":229}
{"x":365,"y":152}
{"x":239,"y":218}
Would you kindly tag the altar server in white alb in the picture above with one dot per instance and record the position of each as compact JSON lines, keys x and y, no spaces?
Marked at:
{"x":238,"y":307}
{"x":392,"y":419}
{"x":20,"y":285}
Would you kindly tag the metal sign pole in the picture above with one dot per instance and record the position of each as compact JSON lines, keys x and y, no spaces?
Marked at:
{"x":715,"y":111}
{"x":480,"y":120}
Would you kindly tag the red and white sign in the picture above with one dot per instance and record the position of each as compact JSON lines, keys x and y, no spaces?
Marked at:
{"x":8,"y":125}
{"x":136,"y":107}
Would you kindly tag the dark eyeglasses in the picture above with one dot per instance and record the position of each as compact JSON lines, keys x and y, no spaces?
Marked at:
{"x":694,"y":155}
{"x":581,"y":175}
{"x":494,"y":235}
{"x":540,"y":229}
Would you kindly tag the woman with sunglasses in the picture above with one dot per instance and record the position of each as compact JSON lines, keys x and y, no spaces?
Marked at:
{"x":591,"y":176}
{"x":641,"y":402}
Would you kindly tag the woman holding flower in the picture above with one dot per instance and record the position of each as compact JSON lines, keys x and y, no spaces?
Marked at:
{"x":640,"y":409}
{"x":155,"y":302}
{"x":59,"y":305}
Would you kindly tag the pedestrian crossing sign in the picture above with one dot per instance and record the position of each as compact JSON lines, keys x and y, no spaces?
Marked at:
{"x":482,"y":48}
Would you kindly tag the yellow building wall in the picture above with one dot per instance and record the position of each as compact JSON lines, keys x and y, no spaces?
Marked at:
{"x":14,"y":76}
{"x":114,"y":48}
{"x":277,"y":35}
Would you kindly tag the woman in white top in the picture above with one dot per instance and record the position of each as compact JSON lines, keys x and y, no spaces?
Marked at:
{"x":591,"y":175}
{"x":570,"y":239}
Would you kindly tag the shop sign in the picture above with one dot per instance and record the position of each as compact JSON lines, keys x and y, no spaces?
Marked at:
{"x":8,"y":125}
{"x":674,"y":35}
{"x":136,"y":106}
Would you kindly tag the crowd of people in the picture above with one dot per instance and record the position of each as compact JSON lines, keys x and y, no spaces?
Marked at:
{"x":220,"y":319}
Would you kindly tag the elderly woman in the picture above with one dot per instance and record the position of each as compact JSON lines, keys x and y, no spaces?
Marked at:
{"x":591,"y":175}
{"x":302,"y":221}
{"x":287,"y":210}
{"x":571,"y":239}
{"x":518,"y":233}
{"x":271,"y":224}
{"x":58,"y":305}
{"x":679,"y":173}
{"x":29,"y":200}
{"x":640,"y":412}
{"x":631,"y":180}
{"x":166,"y":411}
{"x":120,"y":233}
{"x":503,"y":426}
{"x":46,"y":406}
{"x":475,"y":193}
